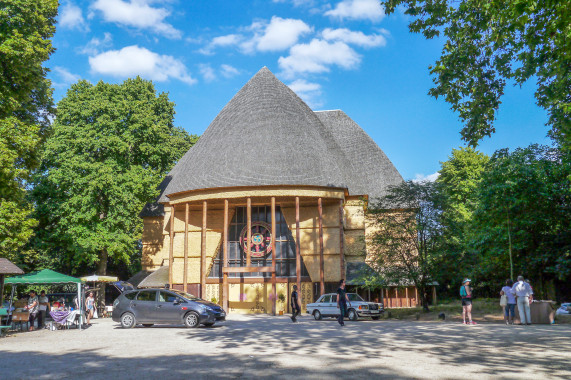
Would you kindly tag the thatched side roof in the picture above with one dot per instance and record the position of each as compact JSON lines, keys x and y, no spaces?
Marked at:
{"x":7,"y":267}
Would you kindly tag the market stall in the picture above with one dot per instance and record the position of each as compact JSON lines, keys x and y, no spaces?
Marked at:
{"x":47,"y":277}
{"x":6,"y":268}
{"x":95,"y":280}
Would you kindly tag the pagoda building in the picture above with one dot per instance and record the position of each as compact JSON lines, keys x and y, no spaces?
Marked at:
{"x":272,"y":194}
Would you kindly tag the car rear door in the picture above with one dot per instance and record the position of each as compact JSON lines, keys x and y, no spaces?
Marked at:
{"x":170,"y":307}
{"x":144,"y":306}
{"x":325,"y":305}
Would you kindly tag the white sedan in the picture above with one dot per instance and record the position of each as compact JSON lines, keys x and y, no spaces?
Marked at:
{"x":326,"y":306}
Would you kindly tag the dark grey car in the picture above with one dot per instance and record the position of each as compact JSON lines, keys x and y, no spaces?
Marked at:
{"x":162,"y":306}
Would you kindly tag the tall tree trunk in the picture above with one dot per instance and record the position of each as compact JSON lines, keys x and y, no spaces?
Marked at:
{"x":424,"y":299}
{"x":102,"y":271}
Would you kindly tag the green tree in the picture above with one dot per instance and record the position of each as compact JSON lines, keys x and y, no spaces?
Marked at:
{"x":26,"y":29}
{"x":489,"y":43}
{"x":111,"y":146}
{"x":407,"y":234}
{"x":458,"y":182}
{"x":525,"y":201}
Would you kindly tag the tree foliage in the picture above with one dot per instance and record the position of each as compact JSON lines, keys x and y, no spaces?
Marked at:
{"x":527,"y":193}
{"x":111,"y":146}
{"x":26,"y":29}
{"x":406,"y":235}
{"x":490,"y":43}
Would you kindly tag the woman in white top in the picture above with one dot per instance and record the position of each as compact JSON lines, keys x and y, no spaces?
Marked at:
{"x":89,"y":307}
{"x":509,"y":310}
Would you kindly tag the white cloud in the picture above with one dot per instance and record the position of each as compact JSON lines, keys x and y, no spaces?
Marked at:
{"x":138,"y":14}
{"x":317,"y":56}
{"x":207,"y":73}
{"x":65,"y":76}
{"x":352,"y":37}
{"x":309,"y":92}
{"x":96,"y":44}
{"x":71,"y":17}
{"x":358,"y":10}
{"x":228,"y":71}
{"x":134,"y":60}
{"x":296,"y":3}
{"x":280,"y":34}
{"x":227,"y":40}
{"x":426,"y":178}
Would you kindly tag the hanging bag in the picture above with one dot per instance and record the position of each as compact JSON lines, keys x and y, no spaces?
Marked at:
{"x":503,"y":300}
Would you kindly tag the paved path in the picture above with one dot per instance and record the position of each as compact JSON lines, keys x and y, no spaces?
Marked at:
{"x":273,"y":347}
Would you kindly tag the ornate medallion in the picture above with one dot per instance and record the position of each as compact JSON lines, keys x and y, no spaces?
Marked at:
{"x":261,"y":243}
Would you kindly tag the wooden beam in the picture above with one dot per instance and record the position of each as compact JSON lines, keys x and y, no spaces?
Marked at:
{"x":297,"y":246}
{"x":171,"y":247}
{"x":416,"y":296}
{"x":274,"y":289}
{"x":185,"y":274}
{"x":341,"y":238}
{"x":398,"y":302}
{"x":321,"y":260}
{"x":225,"y":257}
{"x":407,"y":299}
{"x":249,"y":227}
{"x":203,"y":251}
{"x":246,"y":269}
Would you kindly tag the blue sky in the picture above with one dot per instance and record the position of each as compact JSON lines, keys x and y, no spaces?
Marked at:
{"x":341,"y":54}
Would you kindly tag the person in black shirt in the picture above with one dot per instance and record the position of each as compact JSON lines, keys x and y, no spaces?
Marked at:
{"x":342,"y":300}
{"x":295,"y":308}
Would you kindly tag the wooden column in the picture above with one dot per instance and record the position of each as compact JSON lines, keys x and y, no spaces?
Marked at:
{"x":416,"y":296}
{"x":203,"y":251}
{"x":249,"y":227}
{"x":388,"y":299}
{"x":341,"y":238}
{"x":171,"y":247}
{"x":321,"y":260}
{"x":225,"y":257}
{"x":297,"y":246}
{"x":185,"y":274}
{"x":407,"y":299}
{"x":398,"y":303}
{"x":274,"y":290}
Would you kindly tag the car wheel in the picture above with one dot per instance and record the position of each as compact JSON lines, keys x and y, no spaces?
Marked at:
{"x":375,"y":318}
{"x":317,"y":315}
{"x":353,"y":316}
{"x":191,"y":319}
{"x":128,"y":320}
{"x":148,"y":324}
{"x":209,"y":324}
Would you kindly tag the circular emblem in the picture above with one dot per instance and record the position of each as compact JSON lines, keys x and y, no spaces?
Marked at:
{"x":261,"y":243}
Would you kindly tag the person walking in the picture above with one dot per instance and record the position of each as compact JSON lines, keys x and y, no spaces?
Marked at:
{"x":295,"y":308}
{"x":43,"y":308}
{"x":89,"y":307}
{"x":342,"y":300}
{"x":523,"y":292}
{"x":509,"y":309}
{"x":33,"y":304}
{"x":466,"y":295}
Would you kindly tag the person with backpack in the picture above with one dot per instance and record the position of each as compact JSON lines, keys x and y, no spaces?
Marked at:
{"x":466,"y":295}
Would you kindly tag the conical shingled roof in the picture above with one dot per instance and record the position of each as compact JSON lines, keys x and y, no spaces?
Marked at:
{"x":265,"y":135}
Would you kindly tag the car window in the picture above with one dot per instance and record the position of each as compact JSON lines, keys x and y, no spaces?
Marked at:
{"x":131,"y":296}
{"x":187,"y":295}
{"x":168,"y":297}
{"x":147,"y":295}
{"x":326,"y":299}
{"x":355,"y":297}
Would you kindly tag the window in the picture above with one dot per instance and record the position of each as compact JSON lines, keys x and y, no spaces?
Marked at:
{"x":354,"y":297}
{"x":285,"y":245}
{"x":168,"y":297}
{"x":131,"y":296}
{"x":147,"y":295}
{"x":325,"y":299}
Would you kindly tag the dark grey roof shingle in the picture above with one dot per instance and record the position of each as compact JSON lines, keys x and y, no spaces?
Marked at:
{"x":266,"y":135}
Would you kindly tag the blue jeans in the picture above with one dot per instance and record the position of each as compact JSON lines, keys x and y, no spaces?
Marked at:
{"x":509,"y":309}
{"x":342,"y":312}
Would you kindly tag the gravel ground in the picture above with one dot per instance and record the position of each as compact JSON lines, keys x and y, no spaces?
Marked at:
{"x":261,"y":346}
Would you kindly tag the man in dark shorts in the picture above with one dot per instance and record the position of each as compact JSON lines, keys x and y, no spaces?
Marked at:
{"x":295,"y":308}
{"x":342,"y":300}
